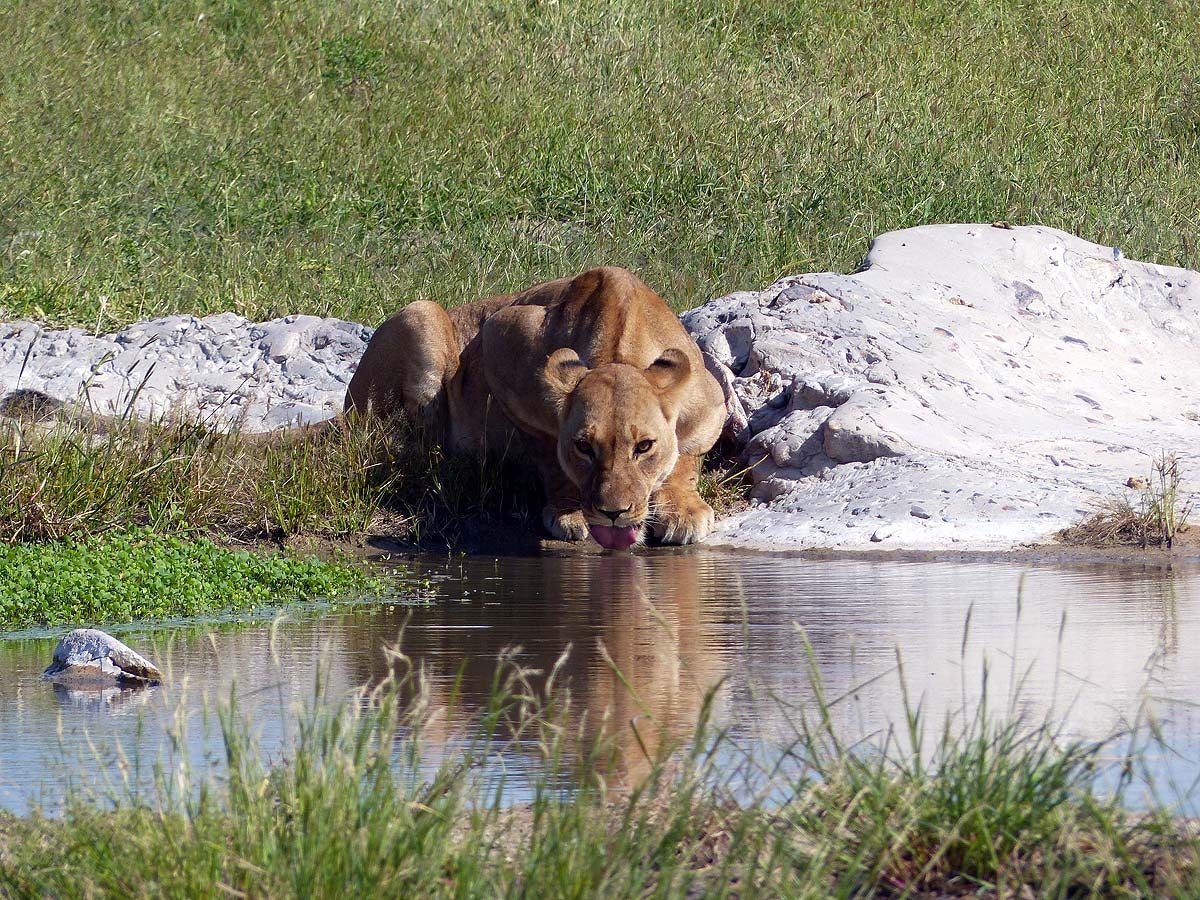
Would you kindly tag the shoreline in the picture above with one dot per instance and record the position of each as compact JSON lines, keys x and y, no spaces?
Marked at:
{"x":380,"y":548}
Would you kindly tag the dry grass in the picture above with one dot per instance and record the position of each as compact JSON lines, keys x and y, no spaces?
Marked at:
{"x":724,"y":482}
{"x":70,"y":475}
{"x":1156,"y":518}
{"x":58,"y":479}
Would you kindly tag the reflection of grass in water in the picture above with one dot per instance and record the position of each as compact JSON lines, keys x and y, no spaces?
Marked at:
{"x":997,"y":809}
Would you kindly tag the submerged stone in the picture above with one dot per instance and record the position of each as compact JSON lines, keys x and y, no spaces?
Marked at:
{"x":89,"y":657}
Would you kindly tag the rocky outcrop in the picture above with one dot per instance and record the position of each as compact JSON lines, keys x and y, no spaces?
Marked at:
{"x":971,"y":386}
{"x":89,"y":658}
{"x":222,"y":368}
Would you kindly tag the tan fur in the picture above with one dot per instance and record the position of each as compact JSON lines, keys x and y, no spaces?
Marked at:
{"x":597,"y":359}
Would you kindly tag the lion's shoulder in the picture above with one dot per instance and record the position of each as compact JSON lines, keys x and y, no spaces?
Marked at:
{"x":604,"y":316}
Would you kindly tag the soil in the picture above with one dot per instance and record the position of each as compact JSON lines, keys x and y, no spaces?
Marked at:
{"x":486,"y":537}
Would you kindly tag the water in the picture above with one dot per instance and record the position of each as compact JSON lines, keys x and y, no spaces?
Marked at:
{"x":1093,"y":647}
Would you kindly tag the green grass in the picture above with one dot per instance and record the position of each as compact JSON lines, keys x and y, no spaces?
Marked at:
{"x":1002,"y":811}
{"x":177,"y":476}
{"x":180,"y":477}
{"x":345,"y":158}
{"x":311,"y":156}
{"x":61,"y":479}
{"x":136,"y":574}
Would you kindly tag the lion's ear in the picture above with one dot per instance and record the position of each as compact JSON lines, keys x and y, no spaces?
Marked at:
{"x":669,"y":371}
{"x":562,"y":373}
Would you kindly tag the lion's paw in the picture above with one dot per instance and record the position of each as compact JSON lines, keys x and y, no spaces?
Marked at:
{"x":568,"y":526}
{"x":687,"y":521}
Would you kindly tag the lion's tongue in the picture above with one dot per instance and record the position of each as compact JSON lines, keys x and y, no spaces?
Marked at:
{"x":613,"y":538}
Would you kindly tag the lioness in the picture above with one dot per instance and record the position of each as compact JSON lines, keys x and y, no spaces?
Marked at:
{"x":593,"y":376}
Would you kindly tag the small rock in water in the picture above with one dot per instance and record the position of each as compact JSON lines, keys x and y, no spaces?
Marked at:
{"x":89,"y":657}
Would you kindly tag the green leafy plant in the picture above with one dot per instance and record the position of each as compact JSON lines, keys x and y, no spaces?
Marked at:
{"x":136,"y":574}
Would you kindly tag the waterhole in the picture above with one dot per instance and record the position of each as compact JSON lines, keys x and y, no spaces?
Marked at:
{"x":1092,"y":648}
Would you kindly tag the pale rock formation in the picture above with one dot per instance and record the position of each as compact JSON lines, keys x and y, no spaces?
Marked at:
{"x":970,"y":387}
{"x":221,"y":368}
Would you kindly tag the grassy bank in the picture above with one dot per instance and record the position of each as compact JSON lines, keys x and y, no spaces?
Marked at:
{"x":182,"y":478}
{"x":103,"y":528}
{"x":136,"y":574}
{"x":312,"y":156}
{"x":177,"y":476}
{"x":1000,"y":811}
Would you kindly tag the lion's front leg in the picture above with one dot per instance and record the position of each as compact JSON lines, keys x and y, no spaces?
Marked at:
{"x":679,"y":515}
{"x":563,"y":513}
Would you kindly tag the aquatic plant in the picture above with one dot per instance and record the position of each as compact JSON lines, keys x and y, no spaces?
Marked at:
{"x":136,"y":574}
{"x":1164,"y":512}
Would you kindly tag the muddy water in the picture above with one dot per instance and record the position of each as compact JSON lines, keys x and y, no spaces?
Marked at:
{"x":1094,"y":647}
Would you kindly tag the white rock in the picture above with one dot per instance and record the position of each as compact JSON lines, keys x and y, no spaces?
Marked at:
{"x":90,"y":656}
{"x":222,"y":367}
{"x":858,"y":430}
{"x":998,"y":381}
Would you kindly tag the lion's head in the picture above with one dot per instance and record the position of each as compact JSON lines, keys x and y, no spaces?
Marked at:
{"x":616,"y":436}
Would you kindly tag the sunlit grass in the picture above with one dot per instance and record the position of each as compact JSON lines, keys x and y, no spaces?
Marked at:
{"x":60,"y":480}
{"x":63,"y":478}
{"x":271,"y":158}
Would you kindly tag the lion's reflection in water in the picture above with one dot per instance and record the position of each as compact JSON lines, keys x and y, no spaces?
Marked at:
{"x":630,"y":641}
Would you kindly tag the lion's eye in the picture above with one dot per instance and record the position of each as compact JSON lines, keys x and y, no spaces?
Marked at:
{"x":583,"y":447}
{"x":643,"y":447}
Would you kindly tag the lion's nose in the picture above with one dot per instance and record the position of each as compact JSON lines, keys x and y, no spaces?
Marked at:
{"x":614,"y":514}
